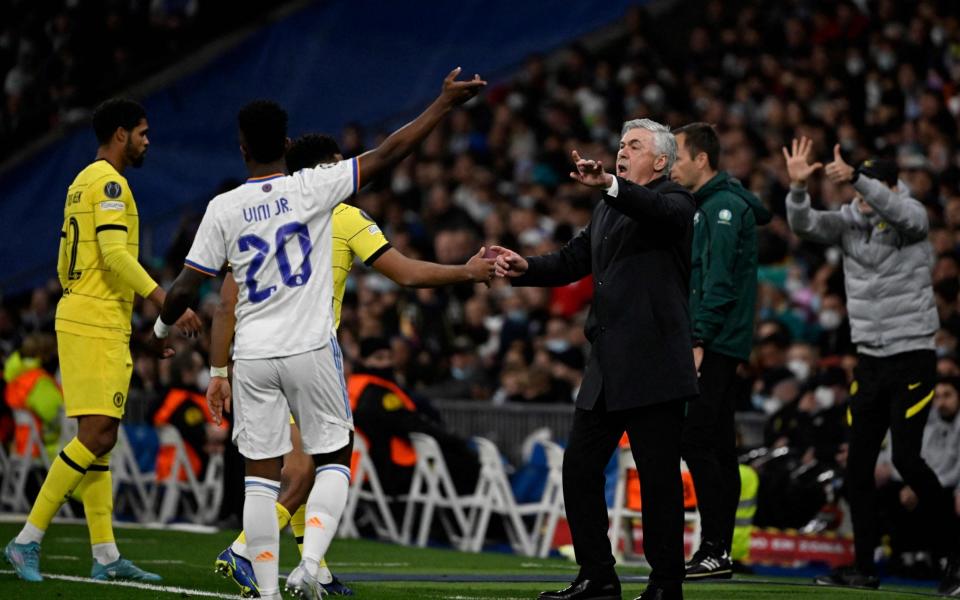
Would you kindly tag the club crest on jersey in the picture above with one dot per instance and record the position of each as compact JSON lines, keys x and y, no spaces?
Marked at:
{"x":112,"y":189}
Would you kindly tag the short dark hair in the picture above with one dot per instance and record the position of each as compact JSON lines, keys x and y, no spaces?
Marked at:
{"x":113,"y":113}
{"x":310,"y":150}
{"x":263,"y":124}
{"x":701,"y":137}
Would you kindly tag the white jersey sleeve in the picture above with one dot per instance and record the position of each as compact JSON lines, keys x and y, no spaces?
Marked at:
{"x":331,"y":183}
{"x":209,"y":250}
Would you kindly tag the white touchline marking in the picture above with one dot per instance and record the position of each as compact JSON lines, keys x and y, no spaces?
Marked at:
{"x":369,"y":564}
{"x":169,"y":589}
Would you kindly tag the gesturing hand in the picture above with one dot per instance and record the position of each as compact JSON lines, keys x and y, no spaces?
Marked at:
{"x":481,"y":269}
{"x":839,"y":171}
{"x":218,"y":397}
{"x":798,"y":160}
{"x":590,"y":172}
{"x":509,"y":263}
{"x":456,"y":92}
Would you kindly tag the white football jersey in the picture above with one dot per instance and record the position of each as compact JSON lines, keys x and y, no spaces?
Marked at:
{"x":275,"y":232}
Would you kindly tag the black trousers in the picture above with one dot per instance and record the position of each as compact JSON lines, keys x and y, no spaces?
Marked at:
{"x":709,"y":447}
{"x":654,"y":433}
{"x":894,"y":393}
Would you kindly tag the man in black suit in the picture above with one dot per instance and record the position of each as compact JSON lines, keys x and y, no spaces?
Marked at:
{"x":641,"y":371}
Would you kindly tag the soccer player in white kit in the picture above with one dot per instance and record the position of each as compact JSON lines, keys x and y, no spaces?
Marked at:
{"x":274,"y":230}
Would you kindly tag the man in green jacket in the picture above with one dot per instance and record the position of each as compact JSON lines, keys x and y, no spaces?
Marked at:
{"x":723,"y":290}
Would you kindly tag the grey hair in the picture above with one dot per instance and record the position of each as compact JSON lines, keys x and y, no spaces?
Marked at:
{"x":663,"y":141}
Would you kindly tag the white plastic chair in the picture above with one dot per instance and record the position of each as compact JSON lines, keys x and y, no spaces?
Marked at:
{"x":207,"y":494}
{"x":365,"y":485}
{"x":131,"y":485}
{"x":431,"y":487}
{"x":495,"y":496}
{"x":32,"y":460}
{"x":620,"y":513}
{"x":551,"y":502}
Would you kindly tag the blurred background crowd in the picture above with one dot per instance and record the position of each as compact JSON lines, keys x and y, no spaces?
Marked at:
{"x":877,"y":77}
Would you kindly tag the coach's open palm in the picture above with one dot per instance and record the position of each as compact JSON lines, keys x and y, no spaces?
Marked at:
{"x":456,"y":92}
{"x":798,"y":161}
{"x":218,"y":397}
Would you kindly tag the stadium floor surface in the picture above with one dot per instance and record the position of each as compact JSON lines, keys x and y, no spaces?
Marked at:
{"x":373,"y":569}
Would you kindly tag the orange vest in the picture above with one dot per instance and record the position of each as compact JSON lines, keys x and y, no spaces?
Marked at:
{"x":16,"y":394}
{"x":633,"y":485}
{"x":401,"y":452}
{"x":167,"y":453}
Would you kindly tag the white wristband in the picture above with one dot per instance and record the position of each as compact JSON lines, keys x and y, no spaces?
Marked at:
{"x":161,"y":329}
{"x":218,"y":372}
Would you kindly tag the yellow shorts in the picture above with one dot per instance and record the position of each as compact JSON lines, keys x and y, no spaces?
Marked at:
{"x":96,"y":374}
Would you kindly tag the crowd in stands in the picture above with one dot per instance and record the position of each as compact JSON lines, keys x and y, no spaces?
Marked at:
{"x":878,"y":77}
{"x":59,"y":59}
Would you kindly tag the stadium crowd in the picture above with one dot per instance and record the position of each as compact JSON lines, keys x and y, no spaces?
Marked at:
{"x":877,"y":77}
{"x":59,"y":59}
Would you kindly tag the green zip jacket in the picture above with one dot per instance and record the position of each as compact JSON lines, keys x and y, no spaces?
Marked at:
{"x":723,"y":278}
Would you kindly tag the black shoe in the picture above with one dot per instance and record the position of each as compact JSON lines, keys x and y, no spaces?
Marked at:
{"x":586,"y":589}
{"x":950,"y":584}
{"x":711,"y":561}
{"x":848,"y":577}
{"x":655,"y":592}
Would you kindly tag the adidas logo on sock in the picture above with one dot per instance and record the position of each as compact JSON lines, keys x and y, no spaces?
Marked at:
{"x":315,"y":522}
{"x":265,"y":556}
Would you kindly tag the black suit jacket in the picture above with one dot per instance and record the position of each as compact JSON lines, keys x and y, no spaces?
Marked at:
{"x":637,"y":246}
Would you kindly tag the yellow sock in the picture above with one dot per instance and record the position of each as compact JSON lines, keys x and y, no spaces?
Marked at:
{"x":65,"y":474}
{"x":96,"y":492}
{"x":297,"y":524}
{"x":283,"y":517}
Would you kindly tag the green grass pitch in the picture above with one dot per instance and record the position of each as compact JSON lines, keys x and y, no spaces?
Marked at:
{"x":185,"y":560}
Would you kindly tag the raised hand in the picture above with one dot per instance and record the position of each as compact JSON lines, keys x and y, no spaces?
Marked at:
{"x":456,"y":92}
{"x":509,"y":263}
{"x":798,"y":161}
{"x":590,"y":172}
{"x":218,"y":397}
{"x":839,"y":171}
{"x":481,"y":268}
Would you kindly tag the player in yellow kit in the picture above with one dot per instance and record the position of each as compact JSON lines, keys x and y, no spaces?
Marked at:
{"x":98,"y":270}
{"x":355,"y":235}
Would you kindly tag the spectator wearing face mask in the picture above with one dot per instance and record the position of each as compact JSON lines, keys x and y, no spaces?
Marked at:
{"x":887,"y":264}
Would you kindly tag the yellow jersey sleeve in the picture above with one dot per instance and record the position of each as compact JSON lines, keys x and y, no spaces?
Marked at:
{"x":110,"y":203}
{"x":362,"y":234}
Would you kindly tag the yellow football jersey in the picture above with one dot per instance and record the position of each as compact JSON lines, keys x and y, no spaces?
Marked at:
{"x":354,"y":234}
{"x":97,"y":299}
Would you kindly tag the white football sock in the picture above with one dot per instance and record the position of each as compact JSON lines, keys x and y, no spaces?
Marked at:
{"x":240,"y":548}
{"x":30,"y":533}
{"x":263,"y":532}
{"x":324,"y":507}
{"x":105,"y":553}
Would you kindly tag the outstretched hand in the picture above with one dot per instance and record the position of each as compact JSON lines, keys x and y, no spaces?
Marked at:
{"x":839,"y":171}
{"x":456,"y":92}
{"x":481,"y":267}
{"x":798,"y":161}
{"x":590,"y":172}
{"x":509,"y":263}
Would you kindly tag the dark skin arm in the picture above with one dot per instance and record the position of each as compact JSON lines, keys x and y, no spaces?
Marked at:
{"x":401,"y":142}
{"x":221,"y":334}
{"x":178,"y":300}
{"x":410,"y":272}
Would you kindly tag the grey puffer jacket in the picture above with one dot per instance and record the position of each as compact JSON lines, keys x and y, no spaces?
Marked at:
{"x":887,"y":263}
